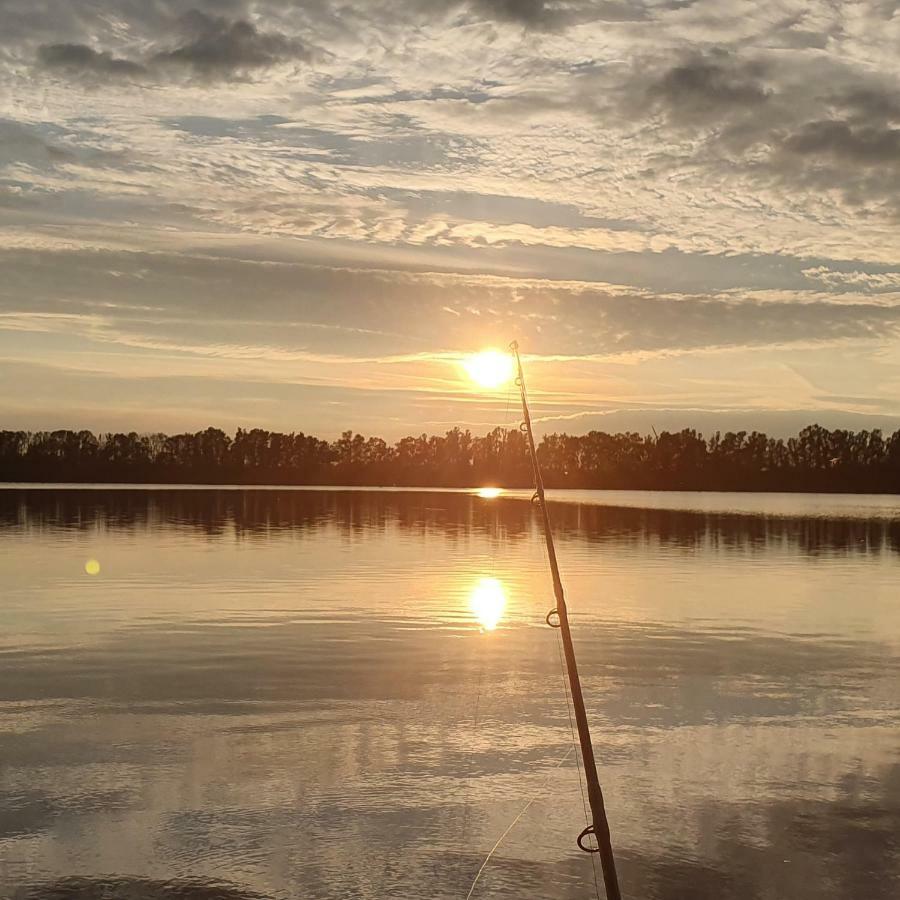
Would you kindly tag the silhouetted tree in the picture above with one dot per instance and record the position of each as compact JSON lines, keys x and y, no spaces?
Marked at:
{"x":815,"y":459}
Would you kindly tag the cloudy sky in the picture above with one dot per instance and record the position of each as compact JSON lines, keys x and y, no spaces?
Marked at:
{"x":298,"y":215}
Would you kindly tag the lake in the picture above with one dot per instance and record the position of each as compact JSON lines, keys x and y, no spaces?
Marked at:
{"x":281,"y":693}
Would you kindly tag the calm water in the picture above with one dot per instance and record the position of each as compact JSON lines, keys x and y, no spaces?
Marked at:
{"x":298,"y":694}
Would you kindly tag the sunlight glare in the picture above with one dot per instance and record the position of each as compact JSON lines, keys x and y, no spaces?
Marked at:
{"x":487,"y":602}
{"x":489,"y":493}
{"x":490,"y":368}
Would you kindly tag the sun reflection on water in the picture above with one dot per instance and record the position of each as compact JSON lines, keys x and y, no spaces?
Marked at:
{"x":487,"y":601}
{"x":489,"y":493}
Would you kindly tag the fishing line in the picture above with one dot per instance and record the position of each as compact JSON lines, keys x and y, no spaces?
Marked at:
{"x":467,"y":792}
{"x":512,"y":824}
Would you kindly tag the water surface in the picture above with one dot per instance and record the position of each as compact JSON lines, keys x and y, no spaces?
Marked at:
{"x":289,"y":693}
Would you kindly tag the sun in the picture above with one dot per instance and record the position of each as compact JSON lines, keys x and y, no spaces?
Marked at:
{"x":490,"y":368}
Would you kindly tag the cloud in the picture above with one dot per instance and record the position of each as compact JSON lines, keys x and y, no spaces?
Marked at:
{"x":219,"y":48}
{"x":148,"y":300}
{"x":21,"y":143}
{"x":207,"y":47}
{"x":875,"y":281}
{"x":843,"y":142}
{"x":80,"y":60}
{"x":533,"y":13}
{"x":708,"y":87}
{"x":557,"y":15}
{"x":868,"y":102}
{"x":764,"y":125}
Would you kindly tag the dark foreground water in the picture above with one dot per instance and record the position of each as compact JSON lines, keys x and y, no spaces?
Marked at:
{"x":301,"y":694}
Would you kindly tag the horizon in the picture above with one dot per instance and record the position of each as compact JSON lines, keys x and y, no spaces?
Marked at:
{"x":781,"y":424}
{"x":512,"y":425}
{"x":260,"y":214}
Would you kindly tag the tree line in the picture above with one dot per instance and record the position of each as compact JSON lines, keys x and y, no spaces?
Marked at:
{"x":816,"y":459}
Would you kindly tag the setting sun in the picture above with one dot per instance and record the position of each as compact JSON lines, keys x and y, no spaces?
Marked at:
{"x":490,"y":368}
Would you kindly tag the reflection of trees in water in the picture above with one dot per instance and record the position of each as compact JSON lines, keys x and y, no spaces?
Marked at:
{"x":256,"y":513}
{"x":673,"y":528}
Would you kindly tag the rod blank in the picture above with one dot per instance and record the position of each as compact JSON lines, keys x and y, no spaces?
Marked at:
{"x":599,"y":826}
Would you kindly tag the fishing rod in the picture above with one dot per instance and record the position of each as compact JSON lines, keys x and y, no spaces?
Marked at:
{"x":559,"y":618}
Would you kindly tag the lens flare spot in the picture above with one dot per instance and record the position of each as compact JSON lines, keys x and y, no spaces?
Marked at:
{"x":487,"y":602}
{"x":490,"y":368}
{"x":92,"y":567}
{"x":489,"y":493}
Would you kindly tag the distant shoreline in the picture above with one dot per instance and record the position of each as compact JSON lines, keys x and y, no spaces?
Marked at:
{"x":513,"y":492}
{"x":816,"y":460}
{"x":505,"y":490}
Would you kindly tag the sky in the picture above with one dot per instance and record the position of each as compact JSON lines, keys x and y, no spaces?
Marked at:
{"x":302,"y":216}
